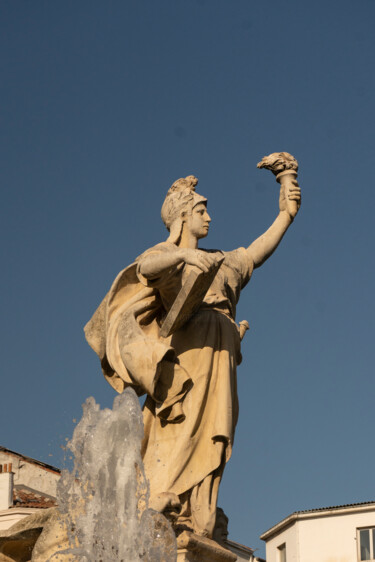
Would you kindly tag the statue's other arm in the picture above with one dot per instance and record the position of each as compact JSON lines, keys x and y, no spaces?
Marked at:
{"x":156,"y":263}
{"x":264,"y":246}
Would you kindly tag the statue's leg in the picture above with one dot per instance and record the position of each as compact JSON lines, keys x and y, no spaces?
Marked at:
{"x":203,"y":501}
{"x":198,"y":511}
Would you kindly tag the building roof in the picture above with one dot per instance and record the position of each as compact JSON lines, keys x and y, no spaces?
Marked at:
{"x":333,"y":507}
{"x":30,"y":460}
{"x":318,"y":512}
{"x":27,"y":497}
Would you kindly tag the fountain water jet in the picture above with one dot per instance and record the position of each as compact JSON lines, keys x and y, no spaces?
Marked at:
{"x":104,"y":500}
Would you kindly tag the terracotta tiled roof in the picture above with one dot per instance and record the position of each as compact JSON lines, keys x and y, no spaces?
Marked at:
{"x":25,"y":497}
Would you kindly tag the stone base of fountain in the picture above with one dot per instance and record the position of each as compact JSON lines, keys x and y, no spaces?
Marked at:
{"x":42,"y":537}
{"x":193,"y":548}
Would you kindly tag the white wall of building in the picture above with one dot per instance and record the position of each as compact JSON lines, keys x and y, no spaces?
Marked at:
{"x":335,"y":537}
{"x":6,"y":490}
{"x":289,"y":537}
{"x":29,"y":474}
{"x":326,"y":536}
{"x":11,"y":516}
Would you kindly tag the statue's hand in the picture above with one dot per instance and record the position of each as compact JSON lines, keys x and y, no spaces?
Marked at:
{"x":290,"y":192}
{"x":204,"y":260}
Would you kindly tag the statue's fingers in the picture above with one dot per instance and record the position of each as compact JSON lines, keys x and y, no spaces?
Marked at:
{"x":212,"y":263}
{"x":204,"y":261}
{"x":206,"y":257}
{"x":203,"y":267}
{"x":201,"y":262}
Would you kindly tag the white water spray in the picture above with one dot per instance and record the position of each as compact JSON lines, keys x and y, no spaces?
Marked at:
{"x":105,"y":497}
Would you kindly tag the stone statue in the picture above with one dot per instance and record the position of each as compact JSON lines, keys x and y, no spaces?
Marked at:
{"x":189,"y":376}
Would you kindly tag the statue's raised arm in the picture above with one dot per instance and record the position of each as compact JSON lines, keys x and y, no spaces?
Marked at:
{"x":284,"y":166}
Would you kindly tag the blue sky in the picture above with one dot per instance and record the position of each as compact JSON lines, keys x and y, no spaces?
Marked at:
{"x":103,"y":106}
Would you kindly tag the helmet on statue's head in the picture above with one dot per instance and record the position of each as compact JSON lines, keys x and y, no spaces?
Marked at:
{"x":181,"y":197}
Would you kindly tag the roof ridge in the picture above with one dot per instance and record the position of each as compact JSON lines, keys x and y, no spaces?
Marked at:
{"x":30,"y":459}
{"x":334,"y":507}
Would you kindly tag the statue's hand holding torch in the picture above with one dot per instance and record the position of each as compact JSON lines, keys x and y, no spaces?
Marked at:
{"x":284,"y":166}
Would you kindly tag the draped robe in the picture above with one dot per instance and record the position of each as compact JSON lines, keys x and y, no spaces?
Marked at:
{"x":191,"y":409}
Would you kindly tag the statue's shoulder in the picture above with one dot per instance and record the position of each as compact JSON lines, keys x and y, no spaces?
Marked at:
{"x":158,"y":248}
{"x":237,"y":264}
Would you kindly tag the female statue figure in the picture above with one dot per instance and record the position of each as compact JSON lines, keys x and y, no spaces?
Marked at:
{"x":191,"y":409}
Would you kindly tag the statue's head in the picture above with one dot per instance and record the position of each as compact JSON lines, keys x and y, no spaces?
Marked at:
{"x":221,"y":527}
{"x":179,"y":204}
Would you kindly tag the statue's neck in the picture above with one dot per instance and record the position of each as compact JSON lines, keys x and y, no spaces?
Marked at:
{"x":188,"y":240}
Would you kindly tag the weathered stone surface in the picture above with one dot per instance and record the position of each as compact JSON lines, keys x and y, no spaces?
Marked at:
{"x":17,"y":543}
{"x":193,"y":548}
{"x":53,"y":541}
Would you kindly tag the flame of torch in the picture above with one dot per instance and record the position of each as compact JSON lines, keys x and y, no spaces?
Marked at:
{"x":284,"y":166}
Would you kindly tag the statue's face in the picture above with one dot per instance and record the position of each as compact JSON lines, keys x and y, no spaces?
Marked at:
{"x":198,"y":222}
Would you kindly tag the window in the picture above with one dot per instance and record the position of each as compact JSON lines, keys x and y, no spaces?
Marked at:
{"x":366,"y":543}
{"x":282,"y":552}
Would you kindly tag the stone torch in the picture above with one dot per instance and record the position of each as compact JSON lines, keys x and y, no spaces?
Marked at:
{"x":284,"y":166}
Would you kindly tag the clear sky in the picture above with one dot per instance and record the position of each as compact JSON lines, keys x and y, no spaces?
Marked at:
{"x":103,"y":106}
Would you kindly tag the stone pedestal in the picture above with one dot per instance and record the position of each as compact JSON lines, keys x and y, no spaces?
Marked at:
{"x":192,"y":548}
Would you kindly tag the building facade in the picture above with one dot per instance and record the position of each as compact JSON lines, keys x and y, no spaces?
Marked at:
{"x":26,"y":486}
{"x":332,"y":534}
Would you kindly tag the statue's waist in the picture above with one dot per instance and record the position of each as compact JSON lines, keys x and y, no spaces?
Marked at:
{"x":221,"y":308}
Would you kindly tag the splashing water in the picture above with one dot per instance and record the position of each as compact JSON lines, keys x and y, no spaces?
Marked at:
{"x":105,"y":497}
